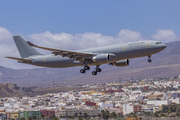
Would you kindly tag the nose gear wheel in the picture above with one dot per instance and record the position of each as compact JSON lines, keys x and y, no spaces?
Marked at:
{"x":149,"y":60}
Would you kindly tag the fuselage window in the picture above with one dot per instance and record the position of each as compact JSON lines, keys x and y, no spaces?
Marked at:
{"x":158,"y":43}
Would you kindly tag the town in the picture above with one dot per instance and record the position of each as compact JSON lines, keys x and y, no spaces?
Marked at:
{"x":131,"y":99}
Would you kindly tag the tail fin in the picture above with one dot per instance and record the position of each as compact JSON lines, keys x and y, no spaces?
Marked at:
{"x":24,"y":49}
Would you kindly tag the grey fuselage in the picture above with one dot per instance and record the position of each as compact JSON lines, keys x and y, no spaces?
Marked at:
{"x":119,"y":51}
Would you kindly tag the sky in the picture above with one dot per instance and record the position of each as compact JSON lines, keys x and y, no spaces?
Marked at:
{"x":70,"y":24}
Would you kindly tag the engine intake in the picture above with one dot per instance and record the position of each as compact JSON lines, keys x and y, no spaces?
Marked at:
{"x":119,"y":63}
{"x":102,"y":58}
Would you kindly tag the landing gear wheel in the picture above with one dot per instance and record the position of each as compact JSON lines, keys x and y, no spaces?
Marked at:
{"x":94,"y":73}
{"x":87,"y":68}
{"x":82,"y":71}
{"x":149,"y":60}
{"x":98,"y":70}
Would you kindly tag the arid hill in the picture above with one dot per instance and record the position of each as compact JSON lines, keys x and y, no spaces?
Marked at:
{"x":9,"y":89}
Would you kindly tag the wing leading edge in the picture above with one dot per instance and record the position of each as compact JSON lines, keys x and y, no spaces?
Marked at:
{"x":65,"y":53}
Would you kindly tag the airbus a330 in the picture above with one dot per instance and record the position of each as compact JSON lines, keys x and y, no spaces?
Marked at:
{"x":116,"y":55}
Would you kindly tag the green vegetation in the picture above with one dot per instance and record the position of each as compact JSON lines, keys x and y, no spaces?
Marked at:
{"x":55,"y":118}
{"x":172,"y":110}
{"x":22,"y":118}
{"x":30,"y":118}
{"x":71,"y":117}
{"x":80,"y":118}
{"x":86,"y":115}
{"x":106,"y":115}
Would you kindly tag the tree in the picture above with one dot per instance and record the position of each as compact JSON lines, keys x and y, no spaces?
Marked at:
{"x":173,"y":107}
{"x":113,"y":115}
{"x":52,"y":116}
{"x":86,"y":115}
{"x":120,"y":115}
{"x":147,"y":113}
{"x":105,"y":114}
{"x":156,"y":114}
{"x":71,"y":117}
{"x":80,"y":113}
{"x":80,"y":118}
{"x":34,"y":117}
{"x":177,"y":114}
{"x":131,"y":114}
{"x":165,"y":108}
{"x":42,"y":116}
{"x":30,"y":118}
{"x":135,"y":116}
{"x":76,"y":115}
{"x":162,"y":115}
{"x":22,"y":118}
{"x":55,"y":118}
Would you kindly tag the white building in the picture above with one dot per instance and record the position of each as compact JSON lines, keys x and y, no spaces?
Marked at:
{"x":158,"y":102}
{"x":177,"y":100}
{"x":105,"y":105}
{"x":127,"y":108}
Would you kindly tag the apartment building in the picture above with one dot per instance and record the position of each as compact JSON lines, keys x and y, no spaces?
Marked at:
{"x":129,"y":107}
{"x":12,"y":115}
{"x":27,"y":114}
{"x":94,"y":111}
{"x":137,"y":108}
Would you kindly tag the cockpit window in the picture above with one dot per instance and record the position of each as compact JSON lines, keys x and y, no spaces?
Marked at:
{"x":159,"y":43}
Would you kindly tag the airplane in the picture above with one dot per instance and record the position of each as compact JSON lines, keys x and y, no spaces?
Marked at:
{"x":116,"y":55}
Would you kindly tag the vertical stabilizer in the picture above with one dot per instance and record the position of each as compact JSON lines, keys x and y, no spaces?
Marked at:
{"x":24,"y":49}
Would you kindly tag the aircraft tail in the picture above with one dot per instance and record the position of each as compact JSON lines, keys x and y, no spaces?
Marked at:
{"x":24,"y":49}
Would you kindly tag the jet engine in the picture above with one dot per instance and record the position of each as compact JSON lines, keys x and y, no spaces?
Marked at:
{"x":119,"y":63}
{"x":102,"y":58}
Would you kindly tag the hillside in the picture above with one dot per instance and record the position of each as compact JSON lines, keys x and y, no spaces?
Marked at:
{"x":12,"y":90}
{"x":164,"y":64}
{"x":7,"y":90}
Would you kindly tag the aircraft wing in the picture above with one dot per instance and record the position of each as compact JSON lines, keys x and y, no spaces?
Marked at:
{"x":65,"y":53}
{"x":20,"y":59}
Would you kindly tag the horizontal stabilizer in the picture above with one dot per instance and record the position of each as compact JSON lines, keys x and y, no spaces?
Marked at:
{"x":20,"y":59}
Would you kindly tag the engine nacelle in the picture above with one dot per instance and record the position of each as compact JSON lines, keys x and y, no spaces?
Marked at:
{"x":102,"y":58}
{"x":119,"y":63}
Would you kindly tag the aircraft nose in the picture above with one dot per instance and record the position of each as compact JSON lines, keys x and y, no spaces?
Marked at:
{"x":164,"y":46}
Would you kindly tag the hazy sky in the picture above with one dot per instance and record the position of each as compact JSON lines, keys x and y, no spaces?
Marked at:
{"x":76,"y":24}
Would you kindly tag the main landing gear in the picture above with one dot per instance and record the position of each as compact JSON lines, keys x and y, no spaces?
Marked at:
{"x":84,"y":70}
{"x":97,"y":69}
{"x":149,"y":60}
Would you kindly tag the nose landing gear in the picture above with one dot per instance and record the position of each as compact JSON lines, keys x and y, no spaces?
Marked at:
{"x":149,"y":60}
